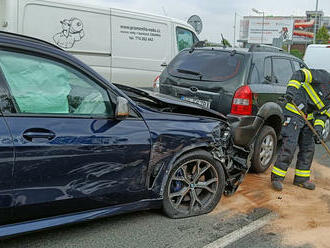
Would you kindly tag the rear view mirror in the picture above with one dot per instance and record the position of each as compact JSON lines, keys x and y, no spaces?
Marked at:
{"x":122,"y":108}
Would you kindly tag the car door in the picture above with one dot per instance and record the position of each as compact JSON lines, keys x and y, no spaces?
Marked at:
{"x":6,"y":165}
{"x":71,"y":154}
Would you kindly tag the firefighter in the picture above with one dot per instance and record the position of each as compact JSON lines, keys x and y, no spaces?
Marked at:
{"x":310,"y":91}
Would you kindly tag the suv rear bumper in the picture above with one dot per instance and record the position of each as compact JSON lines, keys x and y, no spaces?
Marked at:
{"x":245,"y":128}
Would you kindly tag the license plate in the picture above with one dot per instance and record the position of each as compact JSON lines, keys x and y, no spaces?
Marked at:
{"x":205,"y":104}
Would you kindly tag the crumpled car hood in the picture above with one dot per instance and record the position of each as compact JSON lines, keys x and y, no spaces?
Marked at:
{"x":177,"y":105}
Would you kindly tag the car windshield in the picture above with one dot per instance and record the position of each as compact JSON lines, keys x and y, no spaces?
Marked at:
{"x":206,"y":65}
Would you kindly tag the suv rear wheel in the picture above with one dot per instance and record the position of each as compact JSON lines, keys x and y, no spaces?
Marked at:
{"x":264,"y":149}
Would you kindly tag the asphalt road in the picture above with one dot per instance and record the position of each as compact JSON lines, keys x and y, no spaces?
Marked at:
{"x":264,"y":238}
{"x":152,"y":229}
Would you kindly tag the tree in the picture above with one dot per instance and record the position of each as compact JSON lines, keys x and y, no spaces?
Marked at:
{"x":297,"y":53}
{"x":322,"y":35}
{"x":225,"y":42}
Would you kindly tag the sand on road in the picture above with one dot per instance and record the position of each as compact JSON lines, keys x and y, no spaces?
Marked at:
{"x":304,"y":216}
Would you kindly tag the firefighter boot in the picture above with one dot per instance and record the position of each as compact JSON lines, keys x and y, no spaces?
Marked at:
{"x":277,"y":185}
{"x":307,"y":185}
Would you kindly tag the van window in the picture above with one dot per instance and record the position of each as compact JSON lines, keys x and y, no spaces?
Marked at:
{"x":207,"y":65}
{"x":282,"y":70}
{"x":42,"y":86}
{"x":185,"y":38}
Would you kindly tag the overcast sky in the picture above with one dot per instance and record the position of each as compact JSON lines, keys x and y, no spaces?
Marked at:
{"x":217,"y":15}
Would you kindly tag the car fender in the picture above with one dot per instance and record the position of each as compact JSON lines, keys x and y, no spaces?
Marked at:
{"x":162,"y":177}
{"x":270,"y":109}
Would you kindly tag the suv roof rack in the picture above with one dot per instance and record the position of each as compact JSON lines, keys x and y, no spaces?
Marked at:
{"x":29,"y":38}
{"x":264,"y":48}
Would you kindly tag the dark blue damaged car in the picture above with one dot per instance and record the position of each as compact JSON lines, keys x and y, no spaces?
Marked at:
{"x":74,"y":147}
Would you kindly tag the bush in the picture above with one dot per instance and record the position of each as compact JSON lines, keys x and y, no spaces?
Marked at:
{"x":297,"y":53}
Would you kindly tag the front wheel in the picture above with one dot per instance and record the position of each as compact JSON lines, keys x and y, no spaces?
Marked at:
{"x":264,"y":149}
{"x":194,"y":186}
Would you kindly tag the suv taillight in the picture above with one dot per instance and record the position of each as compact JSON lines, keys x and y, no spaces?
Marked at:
{"x":155,"y":84}
{"x":242,"y":101}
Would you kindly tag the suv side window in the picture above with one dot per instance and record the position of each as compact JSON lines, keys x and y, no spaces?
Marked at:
{"x":282,"y":70}
{"x":42,"y":86}
{"x":297,"y":65}
{"x":268,"y":69}
{"x":185,"y":38}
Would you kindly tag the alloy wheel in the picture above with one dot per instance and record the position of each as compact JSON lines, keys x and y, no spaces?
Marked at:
{"x":193,"y":186}
{"x":267,"y":149}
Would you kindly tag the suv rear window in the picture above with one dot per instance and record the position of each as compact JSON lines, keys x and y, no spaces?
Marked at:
{"x":206,"y":65}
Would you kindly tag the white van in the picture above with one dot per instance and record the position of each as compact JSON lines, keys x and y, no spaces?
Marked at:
{"x":125,"y":47}
{"x":317,"y":57}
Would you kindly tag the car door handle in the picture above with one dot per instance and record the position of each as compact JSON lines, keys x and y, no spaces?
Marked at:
{"x":39,"y":133}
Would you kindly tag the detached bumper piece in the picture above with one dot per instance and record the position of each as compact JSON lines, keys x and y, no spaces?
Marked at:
{"x":236,"y":163}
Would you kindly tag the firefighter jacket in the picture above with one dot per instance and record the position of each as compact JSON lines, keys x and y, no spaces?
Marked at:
{"x":310,"y":90}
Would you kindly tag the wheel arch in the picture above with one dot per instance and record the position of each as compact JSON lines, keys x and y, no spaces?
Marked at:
{"x":275,"y":122}
{"x":273,"y":116}
{"x":168,"y":167}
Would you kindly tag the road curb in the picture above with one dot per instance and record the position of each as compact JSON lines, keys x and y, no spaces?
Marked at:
{"x":241,"y":232}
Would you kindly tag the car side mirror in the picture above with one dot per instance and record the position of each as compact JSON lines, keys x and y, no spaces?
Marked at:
{"x":122,"y":108}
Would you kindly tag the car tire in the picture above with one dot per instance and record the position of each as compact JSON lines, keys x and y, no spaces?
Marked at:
{"x":326,"y":130}
{"x":264,"y":149}
{"x":189,"y":193}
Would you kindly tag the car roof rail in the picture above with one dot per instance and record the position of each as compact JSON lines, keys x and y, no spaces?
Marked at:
{"x":264,"y":48}
{"x":29,"y":38}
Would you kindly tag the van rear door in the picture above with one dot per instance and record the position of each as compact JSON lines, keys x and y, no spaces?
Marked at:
{"x":141,"y":44}
{"x":83,"y":31}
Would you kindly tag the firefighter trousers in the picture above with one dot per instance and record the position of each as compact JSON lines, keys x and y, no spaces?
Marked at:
{"x":295,"y":133}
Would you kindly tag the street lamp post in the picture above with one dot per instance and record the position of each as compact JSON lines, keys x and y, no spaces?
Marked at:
{"x":315,"y":20}
{"x":235,"y":30}
{"x":263,"y":22}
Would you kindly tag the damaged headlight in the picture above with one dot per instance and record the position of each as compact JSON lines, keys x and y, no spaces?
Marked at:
{"x":221,"y":133}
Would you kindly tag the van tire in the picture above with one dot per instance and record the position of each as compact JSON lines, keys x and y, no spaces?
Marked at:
{"x":264,"y":149}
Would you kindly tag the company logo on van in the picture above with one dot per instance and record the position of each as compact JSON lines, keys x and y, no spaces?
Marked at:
{"x":72,"y":32}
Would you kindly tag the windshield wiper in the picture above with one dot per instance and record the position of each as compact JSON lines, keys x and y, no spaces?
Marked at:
{"x":195,"y":73}
{"x":189,"y":72}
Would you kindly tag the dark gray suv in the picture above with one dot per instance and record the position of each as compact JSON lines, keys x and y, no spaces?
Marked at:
{"x":244,"y":84}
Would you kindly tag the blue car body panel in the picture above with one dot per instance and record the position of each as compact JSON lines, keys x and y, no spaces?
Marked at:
{"x":89,"y":167}
{"x":41,"y":224}
{"x":6,"y":174}
{"x":86,"y":165}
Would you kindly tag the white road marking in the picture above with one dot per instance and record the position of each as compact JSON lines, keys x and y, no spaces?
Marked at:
{"x":241,"y":232}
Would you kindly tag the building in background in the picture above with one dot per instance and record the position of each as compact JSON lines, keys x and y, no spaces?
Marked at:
{"x":296,"y":31}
